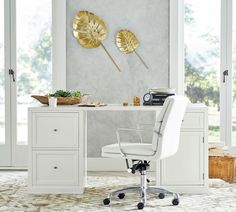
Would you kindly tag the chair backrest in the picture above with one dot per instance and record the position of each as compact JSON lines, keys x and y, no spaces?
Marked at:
{"x":167,"y":127}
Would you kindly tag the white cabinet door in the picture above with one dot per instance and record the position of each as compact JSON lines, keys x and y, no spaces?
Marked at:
{"x":187,"y":165}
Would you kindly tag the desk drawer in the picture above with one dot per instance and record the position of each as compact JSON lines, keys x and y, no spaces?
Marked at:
{"x":55,"y":168}
{"x":193,"y":121}
{"x":55,"y":130}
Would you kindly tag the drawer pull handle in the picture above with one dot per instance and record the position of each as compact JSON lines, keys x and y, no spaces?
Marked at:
{"x":55,"y":130}
{"x":55,"y":167}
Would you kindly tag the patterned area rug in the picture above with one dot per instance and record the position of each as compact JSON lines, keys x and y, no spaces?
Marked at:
{"x":14,"y":197}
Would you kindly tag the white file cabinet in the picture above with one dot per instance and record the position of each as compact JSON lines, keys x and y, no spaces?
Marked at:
{"x":56,"y":163}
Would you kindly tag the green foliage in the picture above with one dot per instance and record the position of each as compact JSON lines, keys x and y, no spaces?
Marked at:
{"x":62,"y":93}
{"x":200,"y":79}
{"x":75,"y":93}
{"x":214,"y":128}
{"x":188,"y":14}
{"x":34,"y":66}
{"x":201,"y":83}
{"x":201,"y":86}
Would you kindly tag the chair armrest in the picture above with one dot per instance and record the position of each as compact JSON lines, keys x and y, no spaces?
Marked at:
{"x":130,"y":130}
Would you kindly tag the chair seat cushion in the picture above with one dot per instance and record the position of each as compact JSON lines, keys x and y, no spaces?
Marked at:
{"x":129,"y":149}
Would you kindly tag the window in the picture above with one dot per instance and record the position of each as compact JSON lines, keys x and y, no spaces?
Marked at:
{"x":202,"y":58}
{"x":33,"y":56}
{"x":210,"y":64}
{"x":33,"y":29}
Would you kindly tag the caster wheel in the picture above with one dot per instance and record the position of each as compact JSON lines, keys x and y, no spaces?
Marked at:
{"x":175,"y":201}
{"x":140,"y":206}
{"x":161,"y":196}
{"x":121,"y":195}
{"x":106,"y":201}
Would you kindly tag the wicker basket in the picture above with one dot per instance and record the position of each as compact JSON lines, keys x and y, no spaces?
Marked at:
{"x":60,"y":100}
{"x":223,"y":167}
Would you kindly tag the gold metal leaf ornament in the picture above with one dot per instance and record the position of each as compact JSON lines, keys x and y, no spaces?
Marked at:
{"x":90,"y":31}
{"x":127,"y":43}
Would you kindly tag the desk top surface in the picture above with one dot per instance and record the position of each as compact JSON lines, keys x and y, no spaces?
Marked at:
{"x":110,"y":107}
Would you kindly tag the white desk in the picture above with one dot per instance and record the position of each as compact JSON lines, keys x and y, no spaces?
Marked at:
{"x":58,"y":150}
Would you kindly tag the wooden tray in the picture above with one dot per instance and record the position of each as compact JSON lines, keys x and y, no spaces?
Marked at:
{"x":60,"y":100}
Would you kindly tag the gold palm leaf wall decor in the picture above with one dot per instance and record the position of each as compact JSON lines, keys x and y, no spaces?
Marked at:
{"x":127,"y":43}
{"x":90,"y":31}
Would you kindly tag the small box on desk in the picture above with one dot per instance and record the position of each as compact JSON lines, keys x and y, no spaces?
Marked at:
{"x":223,"y":167}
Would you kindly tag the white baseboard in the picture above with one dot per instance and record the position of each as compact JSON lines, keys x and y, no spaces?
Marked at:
{"x":110,"y":164}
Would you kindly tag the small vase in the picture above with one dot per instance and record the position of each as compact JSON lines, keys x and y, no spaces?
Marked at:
{"x":52,"y":101}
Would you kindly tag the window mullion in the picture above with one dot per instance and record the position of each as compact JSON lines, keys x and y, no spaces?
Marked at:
{"x":7,"y":65}
{"x":229,"y":92}
{"x":226,"y":64}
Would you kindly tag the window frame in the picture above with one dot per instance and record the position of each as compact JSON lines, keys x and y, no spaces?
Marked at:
{"x":176,"y":76}
{"x":11,"y":152}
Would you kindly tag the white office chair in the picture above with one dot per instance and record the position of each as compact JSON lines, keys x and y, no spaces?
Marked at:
{"x":165,"y":143}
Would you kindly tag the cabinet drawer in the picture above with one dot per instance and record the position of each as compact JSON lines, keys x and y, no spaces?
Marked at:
{"x":55,"y":168}
{"x":193,"y":121}
{"x":55,"y":130}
